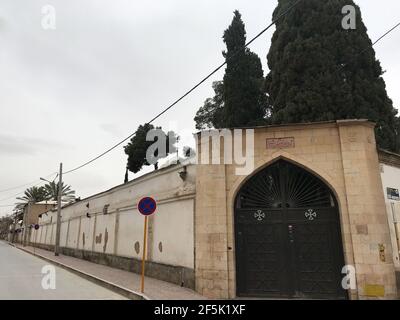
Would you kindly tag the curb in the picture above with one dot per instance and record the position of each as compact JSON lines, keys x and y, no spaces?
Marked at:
{"x":130,"y":294}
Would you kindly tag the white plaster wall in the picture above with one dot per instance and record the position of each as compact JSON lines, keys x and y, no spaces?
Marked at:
{"x":49,"y":233}
{"x":173,"y":228}
{"x":41,"y":235}
{"x":35,"y":235}
{"x":391,"y":179}
{"x":53,"y":233}
{"x":172,"y":224}
{"x":73,"y":233}
{"x":63,"y":233}
{"x":130,"y":231}
{"x":105,"y":224}
{"x":86,"y":234}
{"x":32,"y":235}
{"x":160,"y":185}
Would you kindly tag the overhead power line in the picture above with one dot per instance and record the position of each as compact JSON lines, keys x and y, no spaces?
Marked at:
{"x":384,"y":35}
{"x":21,"y":192}
{"x":188,"y":92}
{"x":20,"y":186}
{"x":367,"y":48}
{"x":205,"y":79}
{"x":17,"y":194}
{"x":167,"y":108}
{"x":32,"y":183}
{"x":164,"y":110}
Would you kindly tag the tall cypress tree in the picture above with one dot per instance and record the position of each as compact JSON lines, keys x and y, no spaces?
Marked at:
{"x":239,"y":99}
{"x":320,"y":71}
{"x":245,"y":102}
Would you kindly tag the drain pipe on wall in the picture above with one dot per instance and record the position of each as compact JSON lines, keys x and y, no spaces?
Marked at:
{"x":395,"y":222}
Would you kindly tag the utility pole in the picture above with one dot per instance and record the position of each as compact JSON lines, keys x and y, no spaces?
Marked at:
{"x":25,"y":223}
{"x":58,"y":226}
{"x":14,"y":227}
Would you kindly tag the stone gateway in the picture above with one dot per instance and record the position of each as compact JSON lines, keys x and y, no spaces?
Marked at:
{"x":309,"y":209}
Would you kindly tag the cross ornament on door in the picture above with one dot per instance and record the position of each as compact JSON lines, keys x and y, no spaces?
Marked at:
{"x":259,"y":215}
{"x":310,"y":214}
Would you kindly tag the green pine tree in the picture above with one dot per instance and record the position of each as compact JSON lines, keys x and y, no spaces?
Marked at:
{"x":239,"y":99}
{"x":320,"y":71}
{"x":137,"y":147}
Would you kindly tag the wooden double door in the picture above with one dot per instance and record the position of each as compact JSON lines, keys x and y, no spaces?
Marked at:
{"x":287,"y":235}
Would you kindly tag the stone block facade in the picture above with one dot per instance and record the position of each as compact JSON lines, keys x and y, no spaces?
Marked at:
{"x":343,"y":154}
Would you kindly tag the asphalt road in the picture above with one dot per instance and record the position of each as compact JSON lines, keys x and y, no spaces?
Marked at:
{"x":21,"y":278}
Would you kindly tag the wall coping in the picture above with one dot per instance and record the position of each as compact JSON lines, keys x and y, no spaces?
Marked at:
{"x":389,"y":158}
{"x":145,"y":177}
{"x":288,"y":126}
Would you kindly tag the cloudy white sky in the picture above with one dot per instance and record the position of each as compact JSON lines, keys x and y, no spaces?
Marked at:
{"x":68,"y":94}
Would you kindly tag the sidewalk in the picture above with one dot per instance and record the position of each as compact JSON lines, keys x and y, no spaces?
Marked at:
{"x":123,"y":282}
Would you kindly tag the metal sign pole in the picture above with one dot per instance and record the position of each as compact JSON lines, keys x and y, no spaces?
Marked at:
{"x":146,"y":207}
{"x":144,"y":252}
{"x":34,"y":245}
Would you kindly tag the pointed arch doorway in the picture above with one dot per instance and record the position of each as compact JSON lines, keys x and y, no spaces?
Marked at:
{"x":287,"y":236}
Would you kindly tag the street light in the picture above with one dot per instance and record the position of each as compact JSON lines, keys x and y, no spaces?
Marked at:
{"x":43,"y":179}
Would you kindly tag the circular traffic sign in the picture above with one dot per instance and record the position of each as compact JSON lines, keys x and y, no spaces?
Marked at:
{"x":147,"y":206}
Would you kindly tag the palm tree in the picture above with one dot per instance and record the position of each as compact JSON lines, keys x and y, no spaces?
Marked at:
{"x":51,"y":190}
{"x":34,"y":194}
{"x":31,"y":195}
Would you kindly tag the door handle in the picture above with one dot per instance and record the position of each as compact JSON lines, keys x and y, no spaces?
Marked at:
{"x":291,"y":233}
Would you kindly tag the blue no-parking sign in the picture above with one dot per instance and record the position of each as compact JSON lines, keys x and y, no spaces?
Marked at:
{"x":147,"y":206}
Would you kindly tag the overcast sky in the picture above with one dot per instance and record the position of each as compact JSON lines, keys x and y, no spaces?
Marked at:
{"x":68,"y":94}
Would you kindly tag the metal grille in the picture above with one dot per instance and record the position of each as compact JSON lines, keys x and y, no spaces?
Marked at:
{"x":284,"y":185}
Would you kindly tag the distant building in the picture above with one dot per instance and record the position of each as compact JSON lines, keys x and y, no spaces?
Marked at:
{"x":30,"y":216}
